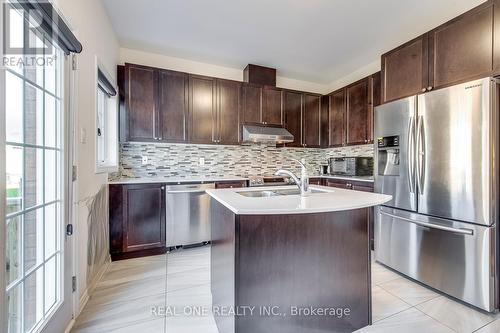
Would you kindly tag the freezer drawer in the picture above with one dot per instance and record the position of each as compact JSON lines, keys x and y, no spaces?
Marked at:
{"x":454,"y":257}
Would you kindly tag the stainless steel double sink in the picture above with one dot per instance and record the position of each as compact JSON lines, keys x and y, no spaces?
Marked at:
{"x":275,"y":193}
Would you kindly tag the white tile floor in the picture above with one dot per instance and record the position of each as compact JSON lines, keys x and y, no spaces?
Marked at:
{"x":126,"y":299}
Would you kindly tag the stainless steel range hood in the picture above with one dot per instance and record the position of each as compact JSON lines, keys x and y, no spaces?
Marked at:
{"x":255,"y":133}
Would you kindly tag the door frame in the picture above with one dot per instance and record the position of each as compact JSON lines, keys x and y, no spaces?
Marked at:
{"x":68,"y":259}
{"x":3,"y":296}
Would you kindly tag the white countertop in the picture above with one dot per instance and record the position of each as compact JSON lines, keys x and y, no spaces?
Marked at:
{"x":180,"y":180}
{"x":334,"y":199}
{"x":196,"y":179}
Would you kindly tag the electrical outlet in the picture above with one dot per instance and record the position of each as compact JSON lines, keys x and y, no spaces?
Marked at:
{"x":144,"y":160}
{"x":202,"y":161}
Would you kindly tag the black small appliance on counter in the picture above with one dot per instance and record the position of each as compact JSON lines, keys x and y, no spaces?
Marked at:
{"x":351,"y":166}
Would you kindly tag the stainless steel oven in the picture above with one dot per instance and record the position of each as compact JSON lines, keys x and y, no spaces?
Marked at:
{"x":188,"y":214}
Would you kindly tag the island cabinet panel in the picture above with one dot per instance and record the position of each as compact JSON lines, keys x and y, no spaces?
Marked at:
{"x":272,"y":106}
{"x":462,"y":49}
{"x":292,"y":105}
{"x":252,"y":103}
{"x":357,"y":112}
{"x":173,"y":106}
{"x":255,"y":261}
{"x":405,"y":70}
{"x":202,"y":109}
{"x":228,"y":110}
{"x":141,"y":95}
{"x":136,"y":220}
{"x":337,"y":118}
{"x":311,"y":121}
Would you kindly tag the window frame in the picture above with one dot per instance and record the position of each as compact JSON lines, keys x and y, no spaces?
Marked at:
{"x":111,"y":127}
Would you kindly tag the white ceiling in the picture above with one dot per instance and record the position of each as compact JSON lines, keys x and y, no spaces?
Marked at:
{"x":312,"y":40}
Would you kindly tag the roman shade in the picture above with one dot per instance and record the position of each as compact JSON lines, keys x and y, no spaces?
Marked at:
{"x":50,"y":23}
{"x":104,"y":84}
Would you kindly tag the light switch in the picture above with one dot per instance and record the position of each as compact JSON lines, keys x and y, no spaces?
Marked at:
{"x":202,"y":161}
{"x":144,"y":160}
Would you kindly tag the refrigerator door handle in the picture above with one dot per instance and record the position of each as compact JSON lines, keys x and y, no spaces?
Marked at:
{"x":420,"y":154}
{"x":462,"y":231}
{"x":411,"y":154}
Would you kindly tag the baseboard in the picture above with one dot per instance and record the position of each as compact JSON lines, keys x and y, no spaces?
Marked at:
{"x":104,"y":268}
{"x":70,"y":326}
{"x":81,"y":304}
{"x":91,"y":286}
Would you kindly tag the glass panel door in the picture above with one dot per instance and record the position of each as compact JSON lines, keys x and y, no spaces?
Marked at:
{"x":35,"y":179}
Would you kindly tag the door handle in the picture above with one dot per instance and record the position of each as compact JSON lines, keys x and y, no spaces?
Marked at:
{"x":421,"y":154}
{"x":462,"y":231}
{"x":411,"y":154}
{"x":185,"y":191}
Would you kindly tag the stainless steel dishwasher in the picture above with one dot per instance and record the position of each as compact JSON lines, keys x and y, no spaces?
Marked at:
{"x":188,"y":214}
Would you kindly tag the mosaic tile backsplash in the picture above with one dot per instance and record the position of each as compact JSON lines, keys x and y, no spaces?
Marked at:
{"x":183,"y":160}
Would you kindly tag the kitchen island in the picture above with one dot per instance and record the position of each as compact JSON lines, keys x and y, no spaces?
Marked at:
{"x":285,"y":263}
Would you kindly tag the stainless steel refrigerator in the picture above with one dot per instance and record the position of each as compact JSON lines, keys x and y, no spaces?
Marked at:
{"x":437,"y":155}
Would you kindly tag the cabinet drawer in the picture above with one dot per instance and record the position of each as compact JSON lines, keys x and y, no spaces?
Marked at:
{"x":231,"y":184}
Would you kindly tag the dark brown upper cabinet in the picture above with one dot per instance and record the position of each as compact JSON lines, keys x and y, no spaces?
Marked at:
{"x":260,"y":75}
{"x":262,"y":105}
{"x":272,"y":106}
{"x":311,"y":120}
{"x":405,"y":70}
{"x":323,"y":123}
{"x":252,"y":103}
{"x":376,"y":95}
{"x":202,"y":109}
{"x":337,"y":118}
{"x":141,"y":94}
{"x":357,"y":112}
{"x":173,"y":106}
{"x":496,"y":36}
{"x":462,"y":49}
{"x":374,"y":100}
{"x":292,"y":108}
{"x":228,"y":106}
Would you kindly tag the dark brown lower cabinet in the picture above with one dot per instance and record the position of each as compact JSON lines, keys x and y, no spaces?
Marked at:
{"x":136,"y":220}
{"x":315,"y":181}
{"x":357,"y":186}
{"x":231,"y":184}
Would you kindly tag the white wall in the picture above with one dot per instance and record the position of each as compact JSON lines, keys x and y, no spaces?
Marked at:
{"x":91,"y":25}
{"x":194,"y":67}
{"x":358,"y":74}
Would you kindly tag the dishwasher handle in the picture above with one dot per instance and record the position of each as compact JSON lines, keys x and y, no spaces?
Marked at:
{"x":185,"y":191}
